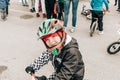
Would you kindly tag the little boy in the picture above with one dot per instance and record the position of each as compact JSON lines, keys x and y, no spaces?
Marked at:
{"x":97,"y":12}
{"x":62,"y":50}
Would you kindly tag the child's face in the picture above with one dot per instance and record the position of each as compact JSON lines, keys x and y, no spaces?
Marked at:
{"x":53,"y":40}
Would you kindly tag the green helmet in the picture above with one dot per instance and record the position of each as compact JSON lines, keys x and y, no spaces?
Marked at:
{"x":48,"y":26}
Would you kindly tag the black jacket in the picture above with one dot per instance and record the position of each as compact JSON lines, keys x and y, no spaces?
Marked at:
{"x":69,"y":64}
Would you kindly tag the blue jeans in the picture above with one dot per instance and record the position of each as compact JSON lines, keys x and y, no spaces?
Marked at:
{"x":74,"y":11}
{"x":24,"y":2}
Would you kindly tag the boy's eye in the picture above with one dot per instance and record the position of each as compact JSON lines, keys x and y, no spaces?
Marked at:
{"x":53,"y":36}
{"x":46,"y":39}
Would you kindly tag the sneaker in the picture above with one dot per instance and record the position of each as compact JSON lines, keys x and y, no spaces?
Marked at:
{"x":118,"y":10}
{"x":65,"y":29}
{"x":31,"y":10}
{"x":101,"y":32}
{"x":23,"y":4}
{"x":26,"y":5}
{"x":72,"y":29}
{"x":44,"y":15}
{"x":37,"y":15}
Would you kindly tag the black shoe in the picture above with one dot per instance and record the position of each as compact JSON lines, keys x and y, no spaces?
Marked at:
{"x":44,"y":15}
{"x":33,"y":9}
{"x":37,"y":15}
{"x":118,"y":10}
{"x":23,"y":5}
{"x":115,"y":4}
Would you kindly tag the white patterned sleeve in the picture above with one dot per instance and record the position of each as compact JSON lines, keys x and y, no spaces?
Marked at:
{"x":41,"y":60}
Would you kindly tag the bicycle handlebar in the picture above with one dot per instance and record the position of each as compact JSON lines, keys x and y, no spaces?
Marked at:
{"x":107,"y":10}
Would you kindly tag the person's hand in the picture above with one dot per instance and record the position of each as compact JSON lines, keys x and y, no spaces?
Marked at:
{"x":41,"y":78}
{"x":107,"y":10}
{"x":30,"y":70}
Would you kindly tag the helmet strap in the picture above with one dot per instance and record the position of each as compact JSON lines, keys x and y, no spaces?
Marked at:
{"x":57,"y":49}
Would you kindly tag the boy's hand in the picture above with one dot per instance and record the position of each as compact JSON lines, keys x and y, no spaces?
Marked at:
{"x":41,"y":78}
{"x":30,"y":70}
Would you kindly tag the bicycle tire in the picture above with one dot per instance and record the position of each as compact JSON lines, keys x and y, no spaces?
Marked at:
{"x":92,"y":29}
{"x":113,"y":48}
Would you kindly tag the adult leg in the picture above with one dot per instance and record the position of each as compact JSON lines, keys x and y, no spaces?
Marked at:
{"x":66,"y":11}
{"x":61,"y":6}
{"x":52,"y":9}
{"x":33,"y":5}
{"x":26,"y":3}
{"x":23,"y":3}
{"x":43,"y":8}
{"x":100,"y":20}
{"x":47,"y":7}
{"x":30,"y":2}
{"x":7,"y":10}
{"x":115,"y":3}
{"x":119,"y":4}
{"x":74,"y":12}
{"x":36,"y":8}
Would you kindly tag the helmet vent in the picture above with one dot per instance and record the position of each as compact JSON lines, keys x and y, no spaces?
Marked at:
{"x":40,"y":29}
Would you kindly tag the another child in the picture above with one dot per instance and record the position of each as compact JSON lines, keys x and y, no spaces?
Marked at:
{"x":97,"y":12}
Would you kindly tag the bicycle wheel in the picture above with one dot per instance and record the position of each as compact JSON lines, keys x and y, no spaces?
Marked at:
{"x":92,"y":28}
{"x":113,"y":48}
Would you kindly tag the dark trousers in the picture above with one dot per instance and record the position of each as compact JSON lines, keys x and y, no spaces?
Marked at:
{"x":61,"y":6}
{"x":7,"y":10}
{"x":115,"y":1}
{"x":99,"y":15}
{"x":49,"y":5}
{"x":118,"y":4}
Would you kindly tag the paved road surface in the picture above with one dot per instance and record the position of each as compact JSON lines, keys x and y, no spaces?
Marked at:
{"x":19,"y":45}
